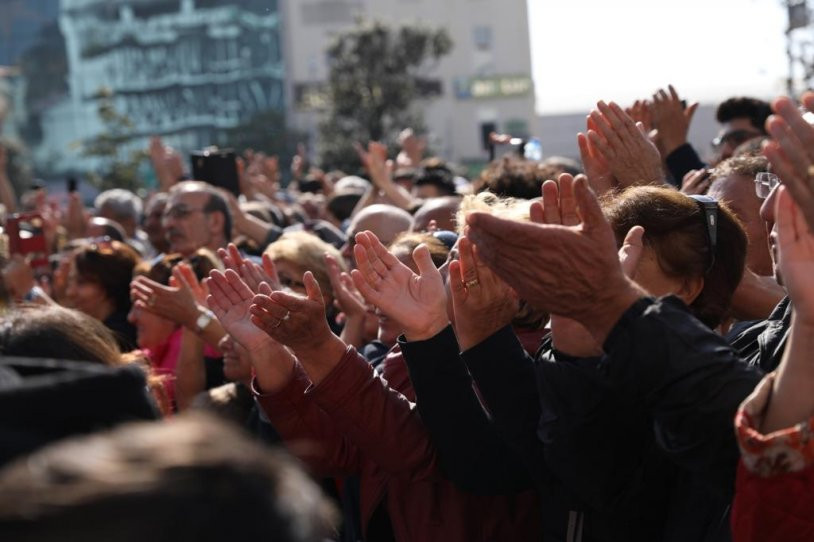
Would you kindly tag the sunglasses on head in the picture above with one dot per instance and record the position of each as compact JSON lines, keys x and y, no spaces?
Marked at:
{"x":710,"y":209}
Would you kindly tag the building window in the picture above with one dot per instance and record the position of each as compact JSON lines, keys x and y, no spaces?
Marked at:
{"x":483,"y":38}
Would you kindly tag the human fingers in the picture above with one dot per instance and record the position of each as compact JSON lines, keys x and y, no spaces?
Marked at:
{"x":424,"y":263}
{"x":370,"y":295}
{"x":537,"y":212}
{"x":801,"y":129}
{"x":793,"y":148}
{"x":384,"y":255}
{"x":271,"y":271}
{"x":605,"y":127}
{"x":227,"y":284}
{"x":468,"y":267}
{"x":551,"y":204}
{"x":240,"y":290}
{"x":270,"y":310}
{"x":588,"y":206}
{"x":217,"y":295}
{"x":673,"y":93}
{"x":689,"y":112}
{"x":312,"y":288}
{"x":599,"y":143}
{"x":373,"y":259}
{"x":631,"y":252}
{"x":568,"y":205}
{"x":365,"y":267}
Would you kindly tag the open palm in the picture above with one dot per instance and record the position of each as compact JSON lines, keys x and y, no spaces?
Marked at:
{"x":795,"y":255}
{"x":230,"y":299}
{"x":417,"y":302}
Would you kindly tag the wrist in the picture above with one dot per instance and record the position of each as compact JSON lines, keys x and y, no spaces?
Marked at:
{"x":427,"y":332}
{"x":670,"y":145}
{"x":608,"y":310}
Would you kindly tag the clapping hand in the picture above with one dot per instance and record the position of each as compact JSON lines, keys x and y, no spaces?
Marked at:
{"x":671,"y":119}
{"x":250,"y":272}
{"x":795,"y":252}
{"x":791,"y":151}
{"x":631,"y":157}
{"x":416,"y":302}
{"x":482,"y":302}
{"x":231,"y":299}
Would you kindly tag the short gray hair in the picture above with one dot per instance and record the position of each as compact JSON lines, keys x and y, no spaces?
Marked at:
{"x":122,"y":203}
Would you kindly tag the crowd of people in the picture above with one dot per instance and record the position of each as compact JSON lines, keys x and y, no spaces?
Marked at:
{"x":612,"y":349}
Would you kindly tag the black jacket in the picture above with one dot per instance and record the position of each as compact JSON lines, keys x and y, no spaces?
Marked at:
{"x":681,"y":161}
{"x":44,"y":400}
{"x":644,"y":436}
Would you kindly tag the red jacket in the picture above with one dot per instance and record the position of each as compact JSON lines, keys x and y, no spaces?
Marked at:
{"x":774,"y":491}
{"x":353,"y":422}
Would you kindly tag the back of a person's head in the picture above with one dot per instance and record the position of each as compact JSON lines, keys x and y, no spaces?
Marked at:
{"x":51,"y":331}
{"x":202,"y":261}
{"x":742,"y":107}
{"x":109,"y":264}
{"x":436,"y":173}
{"x":675,"y":227}
{"x":743,"y":166}
{"x":515,"y":177}
{"x":119,"y":204}
{"x":407,"y":242}
{"x":190,"y":478}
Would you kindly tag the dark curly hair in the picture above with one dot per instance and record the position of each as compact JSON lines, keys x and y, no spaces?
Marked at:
{"x":109,"y":264}
{"x":742,"y":107}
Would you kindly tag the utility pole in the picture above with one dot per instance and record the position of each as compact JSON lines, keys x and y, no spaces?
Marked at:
{"x":798,"y":18}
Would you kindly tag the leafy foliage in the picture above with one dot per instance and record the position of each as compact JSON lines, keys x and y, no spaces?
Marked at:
{"x":375,"y":73}
{"x":119,"y":165}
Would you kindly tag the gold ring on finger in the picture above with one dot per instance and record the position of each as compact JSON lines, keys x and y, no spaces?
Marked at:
{"x":810,"y":170}
{"x":472,"y":283}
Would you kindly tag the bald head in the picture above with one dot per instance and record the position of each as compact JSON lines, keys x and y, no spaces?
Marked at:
{"x":386,"y":221}
{"x":442,"y":210}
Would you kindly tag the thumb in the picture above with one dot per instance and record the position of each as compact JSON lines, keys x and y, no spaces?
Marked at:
{"x":456,"y":285}
{"x":588,"y":204}
{"x":423,"y":260}
{"x":631,"y":252}
{"x":265,"y":289}
{"x":312,"y":289}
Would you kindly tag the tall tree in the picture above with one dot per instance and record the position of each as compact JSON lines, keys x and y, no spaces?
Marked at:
{"x":375,"y":80}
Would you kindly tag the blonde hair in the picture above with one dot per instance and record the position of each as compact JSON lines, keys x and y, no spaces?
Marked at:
{"x":487,"y":202}
{"x":307,"y":251}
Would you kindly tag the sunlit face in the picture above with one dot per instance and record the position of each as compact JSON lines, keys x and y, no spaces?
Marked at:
{"x":767,"y":214}
{"x":152,"y":330}
{"x":237,"y":365}
{"x":87,"y":296}
{"x":187,"y":226}
{"x":738,"y":192}
{"x":153,"y":226}
{"x":290,"y":275}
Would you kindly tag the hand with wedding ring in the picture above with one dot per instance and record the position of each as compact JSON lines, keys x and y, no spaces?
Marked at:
{"x":791,"y":151}
{"x":482,"y":302}
{"x":416,"y":302}
{"x":293,"y":320}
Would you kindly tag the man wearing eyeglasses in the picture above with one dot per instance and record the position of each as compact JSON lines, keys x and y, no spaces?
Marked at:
{"x":741,"y":119}
{"x":196,"y":216}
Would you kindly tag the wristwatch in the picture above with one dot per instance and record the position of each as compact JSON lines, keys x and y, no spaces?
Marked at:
{"x":203,"y":320}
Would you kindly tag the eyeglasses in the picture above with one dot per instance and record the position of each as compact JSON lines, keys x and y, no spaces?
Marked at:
{"x":710,"y":208}
{"x":735,"y":138}
{"x":764,"y":184}
{"x":179,"y":212}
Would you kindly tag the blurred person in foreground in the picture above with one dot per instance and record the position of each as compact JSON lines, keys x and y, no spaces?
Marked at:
{"x":191,"y":478}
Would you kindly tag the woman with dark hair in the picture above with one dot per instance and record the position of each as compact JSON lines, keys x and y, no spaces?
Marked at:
{"x":99,"y":285}
{"x":158,"y":334}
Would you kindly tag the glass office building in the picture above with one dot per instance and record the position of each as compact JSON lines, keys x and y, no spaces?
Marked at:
{"x":188,"y":70}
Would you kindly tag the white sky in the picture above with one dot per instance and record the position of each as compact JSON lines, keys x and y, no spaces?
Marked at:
{"x":584,"y":50}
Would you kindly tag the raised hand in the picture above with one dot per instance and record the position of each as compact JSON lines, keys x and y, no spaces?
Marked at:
{"x":482,"y":302}
{"x":596,"y":167}
{"x":795,"y":253}
{"x":250,"y":272}
{"x":183,"y":275}
{"x":230,"y":299}
{"x":571,"y":271}
{"x":416,"y":302}
{"x":791,"y":151}
{"x":346,"y":297}
{"x":671,"y":119}
{"x":174,"y":303}
{"x":641,"y":111}
{"x":293,"y":320}
{"x":696,"y":181}
{"x":631,"y":157}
